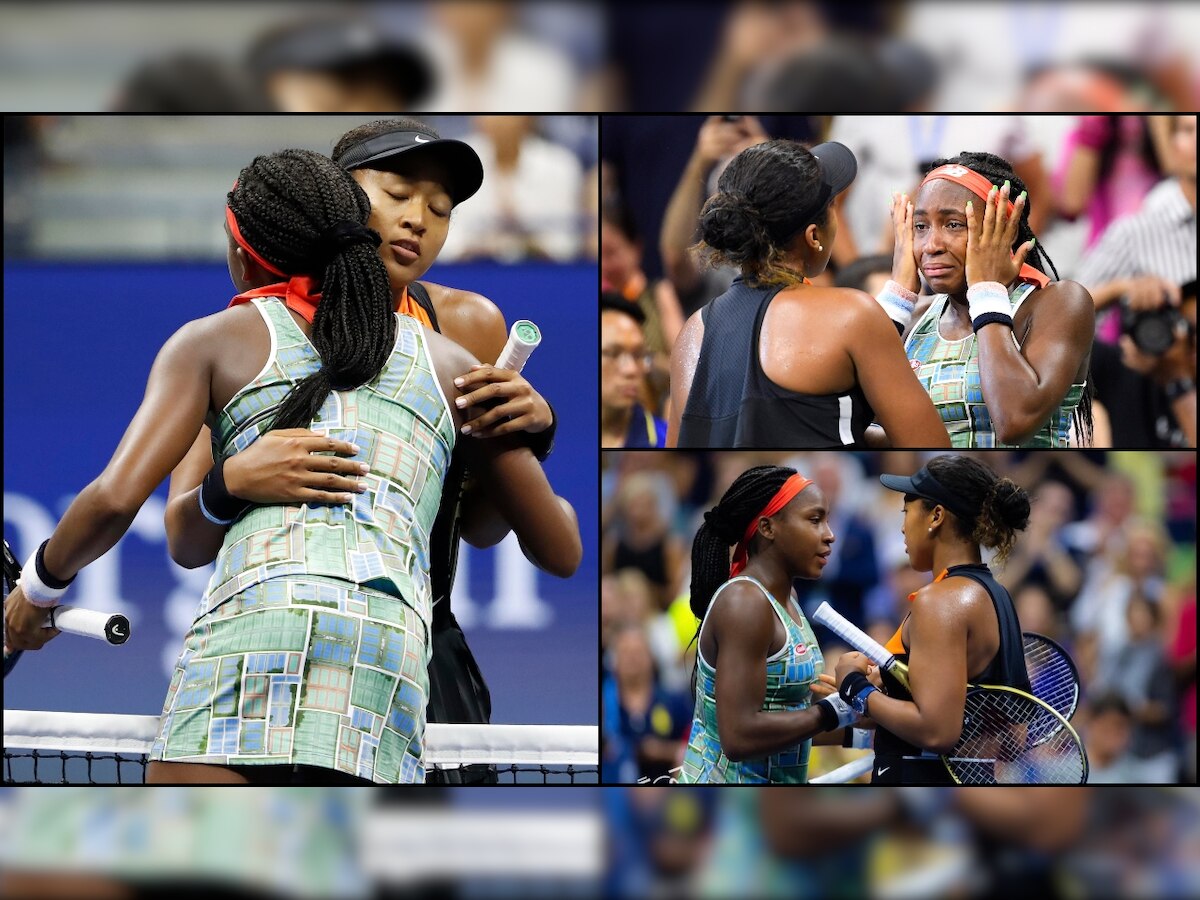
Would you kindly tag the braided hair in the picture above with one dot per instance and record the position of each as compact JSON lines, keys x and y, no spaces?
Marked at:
{"x":1001,"y":505}
{"x":724,"y":525}
{"x":997,"y":169}
{"x":765,"y":197}
{"x":299,"y":211}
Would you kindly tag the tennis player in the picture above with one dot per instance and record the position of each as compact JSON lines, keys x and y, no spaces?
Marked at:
{"x":758,"y":665}
{"x":1002,"y":350}
{"x":314,"y":640}
{"x":414,"y":178}
{"x":961,"y":628}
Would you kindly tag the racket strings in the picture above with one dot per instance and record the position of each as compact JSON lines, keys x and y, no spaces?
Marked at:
{"x":1052,"y":675}
{"x":1009,"y":739}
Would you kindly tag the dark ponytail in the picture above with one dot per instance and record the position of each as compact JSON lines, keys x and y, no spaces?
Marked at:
{"x":1002,"y":505}
{"x":305,"y":215}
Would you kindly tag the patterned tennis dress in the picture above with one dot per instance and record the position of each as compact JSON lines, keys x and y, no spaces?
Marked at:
{"x":949,"y":372}
{"x":790,"y":675}
{"x":312,"y":641}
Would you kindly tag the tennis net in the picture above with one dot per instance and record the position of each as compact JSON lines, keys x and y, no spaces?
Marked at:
{"x":89,"y":748}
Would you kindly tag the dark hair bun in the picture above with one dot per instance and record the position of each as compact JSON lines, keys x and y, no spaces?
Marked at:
{"x":730,"y":225}
{"x":1007,"y":502}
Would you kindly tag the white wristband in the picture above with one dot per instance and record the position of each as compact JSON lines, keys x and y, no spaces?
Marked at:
{"x":990,"y":299}
{"x":845,"y":712}
{"x":898,"y":302}
{"x":35,"y":590}
{"x":863,"y":738}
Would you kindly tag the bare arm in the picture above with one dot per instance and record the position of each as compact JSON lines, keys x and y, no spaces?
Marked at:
{"x":684,"y":356}
{"x":901,"y":405}
{"x":744,"y":626}
{"x":1023,"y":386}
{"x":937,"y":671}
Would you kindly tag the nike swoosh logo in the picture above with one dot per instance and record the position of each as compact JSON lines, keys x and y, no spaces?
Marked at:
{"x":117,"y":632}
{"x":884,"y":769}
{"x":420,"y":140}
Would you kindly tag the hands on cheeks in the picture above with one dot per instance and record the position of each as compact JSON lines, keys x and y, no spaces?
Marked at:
{"x":989,"y":244}
{"x":513,"y":403}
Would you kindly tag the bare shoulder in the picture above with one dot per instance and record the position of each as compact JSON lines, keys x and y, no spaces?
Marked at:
{"x":687,"y":345}
{"x":448,"y":353}
{"x":469,"y":318}
{"x":1069,"y":302}
{"x":949,"y":601}
{"x":742,"y":605}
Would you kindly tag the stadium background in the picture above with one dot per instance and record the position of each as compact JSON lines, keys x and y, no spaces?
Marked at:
{"x":81,"y":331}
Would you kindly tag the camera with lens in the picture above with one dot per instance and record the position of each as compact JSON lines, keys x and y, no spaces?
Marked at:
{"x":1154,"y":330}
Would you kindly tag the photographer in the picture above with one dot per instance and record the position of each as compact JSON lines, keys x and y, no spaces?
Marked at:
{"x":1148,"y":381}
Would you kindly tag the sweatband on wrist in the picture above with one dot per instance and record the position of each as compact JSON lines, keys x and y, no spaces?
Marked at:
{"x":898,"y":302}
{"x":858,"y":739}
{"x":852,"y":685}
{"x":987,"y":303}
{"x":39,"y":586}
{"x":835,"y":713}
{"x":216,"y":503}
{"x":542,"y":443}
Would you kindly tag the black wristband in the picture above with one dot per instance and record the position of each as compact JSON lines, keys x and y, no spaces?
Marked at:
{"x":542,"y":443}
{"x":1180,"y":387}
{"x":852,"y":685}
{"x":989,"y":318}
{"x":218,"y":505}
{"x":829,"y":716}
{"x":39,"y":564}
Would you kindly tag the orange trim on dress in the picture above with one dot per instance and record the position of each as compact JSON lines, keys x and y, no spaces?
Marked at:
{"x":895,"y":644}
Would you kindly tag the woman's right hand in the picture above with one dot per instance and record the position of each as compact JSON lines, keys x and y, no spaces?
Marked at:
{"x":904,"y":264}
{"x":292,"y":466}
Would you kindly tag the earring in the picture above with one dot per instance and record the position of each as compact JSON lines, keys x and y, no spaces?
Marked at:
{"x":820,"y":249}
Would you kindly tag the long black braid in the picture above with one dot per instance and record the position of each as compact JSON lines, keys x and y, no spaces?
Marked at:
{"x":998,"y":170}
{"x":723,"y":527}
{"x":286,"y":205}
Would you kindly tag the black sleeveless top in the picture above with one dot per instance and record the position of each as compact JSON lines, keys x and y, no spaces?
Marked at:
{"x":905,"y":763}
{"x":733,"y":403}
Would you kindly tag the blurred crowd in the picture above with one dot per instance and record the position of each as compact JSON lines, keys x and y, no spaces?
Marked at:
{"x":899,"y":843}
{"x":64,"y":175}
{"x":1106,"y":568}
{"x":1111,"y":199}
{"x":477,"y":55}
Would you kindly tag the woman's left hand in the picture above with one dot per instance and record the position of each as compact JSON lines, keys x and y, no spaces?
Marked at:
{"x":518,"y":407}
{"x":851,"y":662}
{"x":989,"y":244}
{"x":823,"y":687}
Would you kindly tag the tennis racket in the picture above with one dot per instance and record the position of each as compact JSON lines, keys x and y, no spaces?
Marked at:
{"x":1008,"y":736}
{"x":523,"y":339}
{"x":1052,"y":673}
{"x":112,"y":628}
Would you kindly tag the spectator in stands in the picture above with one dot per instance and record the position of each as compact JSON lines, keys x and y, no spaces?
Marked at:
{"x":1182,"y":656}
{"x":621,"y":269}
{"x":1138,"y":672}
{"x":530,"y":205}
{"x":625,"y":420}
{"x":485,"y":62}
{"x":1041,"y":557}
{"x":339,"y":63}
{"x":1107,"y":733}
{"x":641,"y":538}
{"x":189,"y":82}
{"x":650,"y":722}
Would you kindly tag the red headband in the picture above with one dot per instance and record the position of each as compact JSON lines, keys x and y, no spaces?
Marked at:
{"x":981,"y":187}
{"x":794,"y":485}
{"x":231,"y":220}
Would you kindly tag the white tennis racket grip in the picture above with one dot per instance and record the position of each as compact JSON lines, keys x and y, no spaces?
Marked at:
{"x":110,"y":627}
{"x":852,"y":634}
{"x":523,"y":339}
